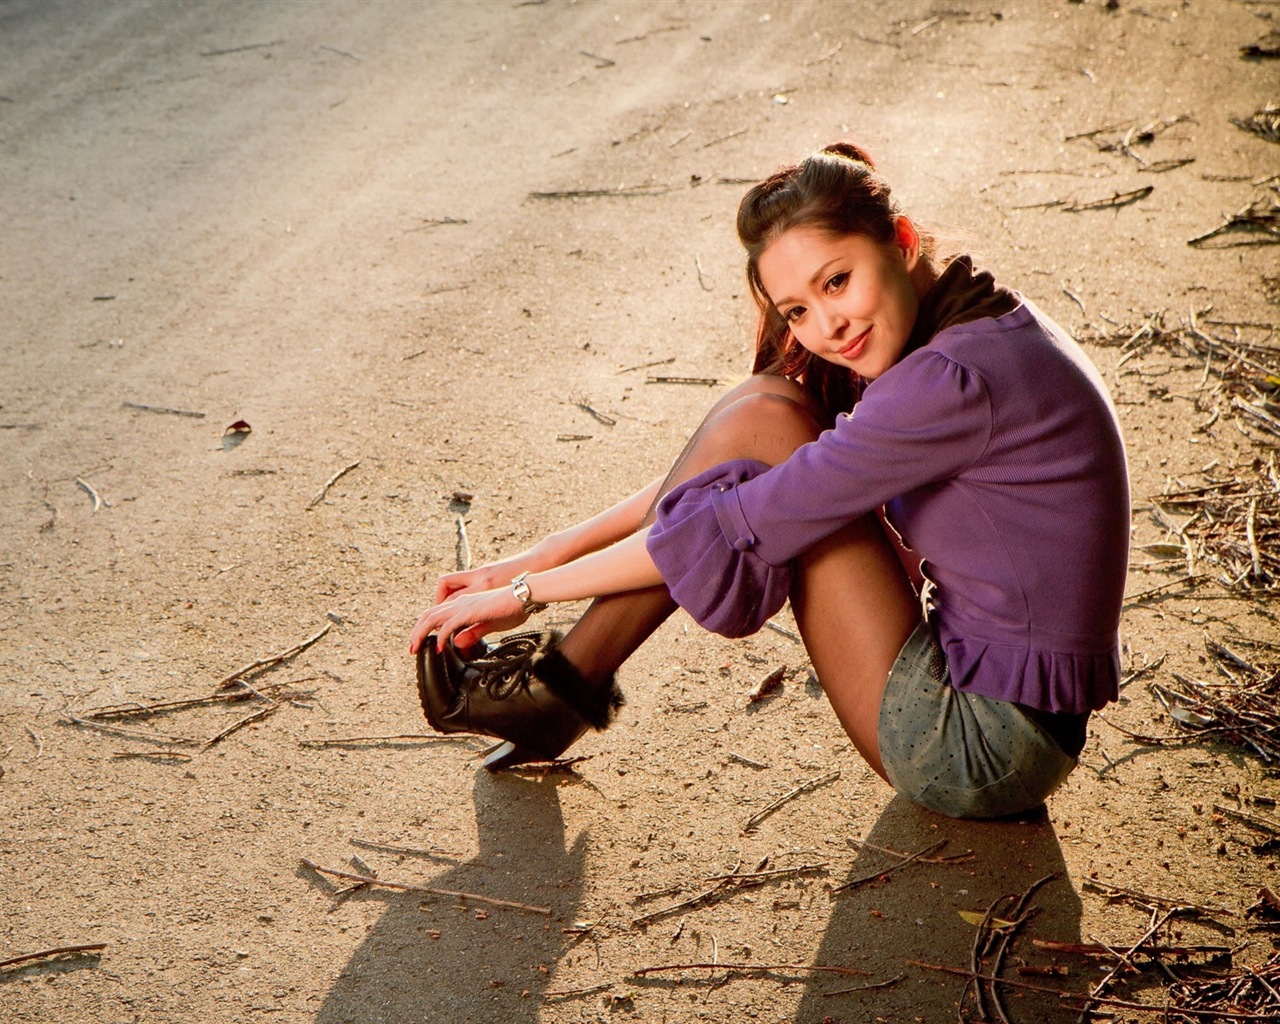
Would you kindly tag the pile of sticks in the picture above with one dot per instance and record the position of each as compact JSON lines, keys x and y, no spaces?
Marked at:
{"x":1234,"y":516}
{"x":1243,"y":709}
{"x":1247,"y":372}
{"x":1234,"y":524}
{"x":1264,"y":122}
{"x":1252,"y":993}
{"x":1200,"y":983}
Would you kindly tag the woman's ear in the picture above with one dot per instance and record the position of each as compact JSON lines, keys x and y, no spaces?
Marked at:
{"x":907,"y":239}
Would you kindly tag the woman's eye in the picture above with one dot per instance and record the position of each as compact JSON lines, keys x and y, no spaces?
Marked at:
{"x":793,"y":314}
{"x":837,"y":282}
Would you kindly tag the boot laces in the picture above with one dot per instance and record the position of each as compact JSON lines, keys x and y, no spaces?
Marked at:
{"x":507,"y":666}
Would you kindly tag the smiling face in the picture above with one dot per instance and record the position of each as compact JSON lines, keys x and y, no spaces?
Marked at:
{"x":848,"y":299}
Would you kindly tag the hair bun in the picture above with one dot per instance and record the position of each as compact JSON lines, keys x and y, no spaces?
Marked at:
{"x":850,"y":152}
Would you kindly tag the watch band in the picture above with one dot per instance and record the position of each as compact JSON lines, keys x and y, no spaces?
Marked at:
{"x":520,"y":589}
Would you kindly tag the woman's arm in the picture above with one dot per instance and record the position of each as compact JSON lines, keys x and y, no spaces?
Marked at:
{"x":601,"y":530}
{"x":467,"y":617}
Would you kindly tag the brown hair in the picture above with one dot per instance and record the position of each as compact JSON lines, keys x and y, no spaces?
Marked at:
{"x":836,"y":190}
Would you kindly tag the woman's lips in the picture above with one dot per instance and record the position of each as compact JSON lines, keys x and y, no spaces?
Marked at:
{"x":855,"y":347}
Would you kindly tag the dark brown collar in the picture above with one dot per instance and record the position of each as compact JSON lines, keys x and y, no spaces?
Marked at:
{"x":960,"y":295}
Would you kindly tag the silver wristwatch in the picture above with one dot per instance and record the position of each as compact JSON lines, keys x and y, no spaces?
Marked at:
{"x":520,"y":588}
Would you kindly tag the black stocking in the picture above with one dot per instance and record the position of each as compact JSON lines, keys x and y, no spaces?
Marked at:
{"x":766,"y":419}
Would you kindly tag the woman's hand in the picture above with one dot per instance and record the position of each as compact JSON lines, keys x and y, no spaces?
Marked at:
{"x":485,"y":577}
{"x":466,"y":614}
{"x":467,"y":617}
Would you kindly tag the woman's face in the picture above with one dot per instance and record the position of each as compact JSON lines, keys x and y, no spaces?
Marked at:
{"x":848,"y":299}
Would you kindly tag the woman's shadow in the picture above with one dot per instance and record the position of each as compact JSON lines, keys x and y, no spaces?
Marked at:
{"x":438,"y":958}
{"x":915,"y":915}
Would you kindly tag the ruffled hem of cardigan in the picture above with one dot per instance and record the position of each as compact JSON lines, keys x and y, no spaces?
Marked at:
{"x":1048,"y":680}
{"x":702,"y":546}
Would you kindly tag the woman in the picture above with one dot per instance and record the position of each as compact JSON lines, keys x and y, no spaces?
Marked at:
{"x":908,"y":423}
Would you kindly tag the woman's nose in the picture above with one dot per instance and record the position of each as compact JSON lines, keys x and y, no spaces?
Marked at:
{"x":831,"y":321}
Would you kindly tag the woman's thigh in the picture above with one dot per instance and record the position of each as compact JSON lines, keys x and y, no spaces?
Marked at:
{"x":855,"y":608}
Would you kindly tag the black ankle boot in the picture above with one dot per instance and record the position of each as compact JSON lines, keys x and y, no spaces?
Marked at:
{"x":522,"y":690}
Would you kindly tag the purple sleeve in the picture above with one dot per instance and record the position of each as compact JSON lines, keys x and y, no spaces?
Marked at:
{"x":702,"y":545}
{"x":925,"y":421}
{"x":724,"y":540}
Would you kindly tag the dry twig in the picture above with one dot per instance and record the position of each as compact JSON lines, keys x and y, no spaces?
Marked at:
{"x":237,"y":677}
{"x":242,"y":722}
{"x":1264,"y":122}
{"x":220,"y":697}
{"x":1243,"y":710}
{"x":88,"y":489}
{"x":621,"y":192}
{"x":137,"y":734}
{"x":88,"y":947}
{"x":851,"y":972}
{"x":430,"y":890}
{"x":804,"y":787}
{"x":338,"y":741}
{"x":1259,"y":216}
{"x":885,"y":872}
{"x":164,"y":410}
{"x":767,"y":685}
{"x":320,"y":494}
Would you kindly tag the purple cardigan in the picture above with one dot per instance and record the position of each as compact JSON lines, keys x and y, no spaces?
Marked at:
{"x":998,"y":457}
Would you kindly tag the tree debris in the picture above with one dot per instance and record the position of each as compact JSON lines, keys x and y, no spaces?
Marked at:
{"x":851,"y":972}
{"x":344,"y":741}
{"x":163,"y":410}
{"x":709,"y":381}
{"x":621,"y":192}
{"x":242,"y":49}
{"x":1260,"y":215}
{"x":1267,"y":46}
{"x":320,"y":494}
{"x":1244,"y":710}
{"x":238,"y":677}
{"x":885,"y":872}
{"x":44,"y":954}
{"x":220,"y":696}
{"x":94,"y":496}
{"x":430,"y":890}
{"x":1113,"y":201}
{"x":767,"y":685}
{"x":804,"y":787}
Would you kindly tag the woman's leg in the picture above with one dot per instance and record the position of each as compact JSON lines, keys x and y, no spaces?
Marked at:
{"x":853,"y":601}
{"x":765,"y":418}
{"x":855,"y":608}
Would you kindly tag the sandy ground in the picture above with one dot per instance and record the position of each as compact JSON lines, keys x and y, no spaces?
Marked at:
{"x":319,"y":218}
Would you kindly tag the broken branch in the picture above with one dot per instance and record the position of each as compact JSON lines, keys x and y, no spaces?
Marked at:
{"x":430,"y":890}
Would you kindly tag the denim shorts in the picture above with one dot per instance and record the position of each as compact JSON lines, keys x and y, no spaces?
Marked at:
{"x":961,"y":754}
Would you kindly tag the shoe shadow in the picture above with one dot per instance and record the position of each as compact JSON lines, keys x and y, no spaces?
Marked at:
{"x":432,"y":958}
{"x":882,"y":925}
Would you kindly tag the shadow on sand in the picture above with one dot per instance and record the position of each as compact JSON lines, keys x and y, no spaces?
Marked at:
{"x":914,"y":915}
{"x":487,"y":964}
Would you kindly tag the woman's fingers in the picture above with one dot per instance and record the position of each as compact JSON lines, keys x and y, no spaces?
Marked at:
{"x":468,"y":616}
{"x":471,"y":581}
{"x":453,"y":583}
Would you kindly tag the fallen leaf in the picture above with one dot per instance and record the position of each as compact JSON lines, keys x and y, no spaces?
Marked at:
{"x":975,"y":918}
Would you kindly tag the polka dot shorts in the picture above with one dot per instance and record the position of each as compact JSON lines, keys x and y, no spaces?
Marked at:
{"x":961,"y":754}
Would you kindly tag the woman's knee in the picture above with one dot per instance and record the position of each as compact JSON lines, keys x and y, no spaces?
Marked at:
{"x":771,"y":384}
{"x":763,"y":423}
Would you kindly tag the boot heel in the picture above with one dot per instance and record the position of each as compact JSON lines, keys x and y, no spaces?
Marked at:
{"x":508,"y":755}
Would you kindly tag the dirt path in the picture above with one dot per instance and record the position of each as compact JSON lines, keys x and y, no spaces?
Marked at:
{"x":321,"y":219}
